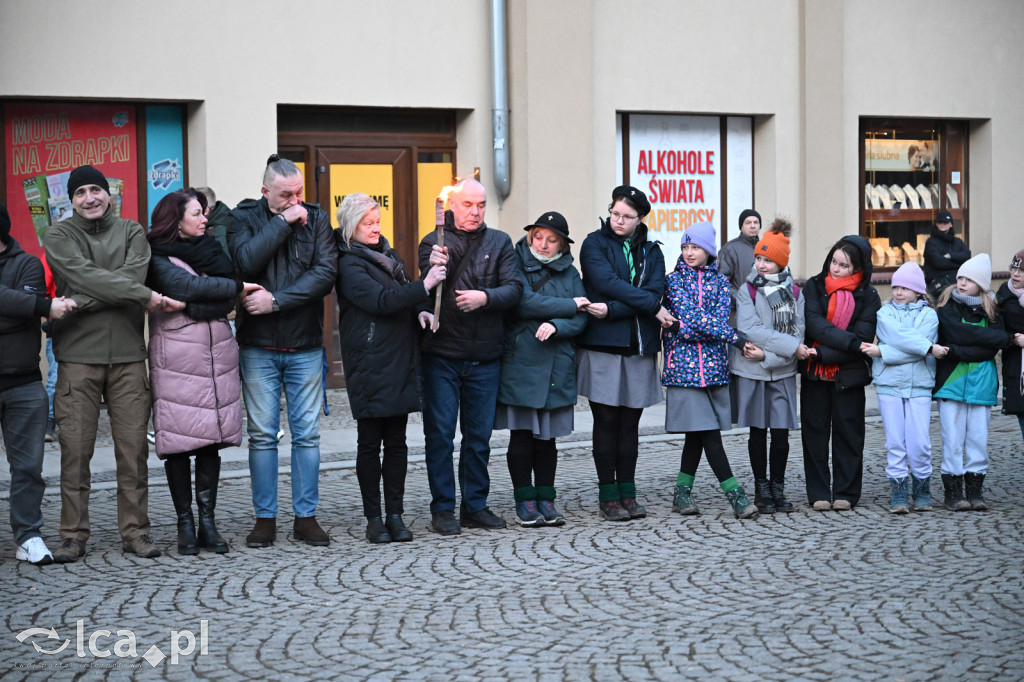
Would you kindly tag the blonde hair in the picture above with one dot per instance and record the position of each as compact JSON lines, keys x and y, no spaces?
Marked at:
{"x":563,"y":244}
{"x":988,"y":304}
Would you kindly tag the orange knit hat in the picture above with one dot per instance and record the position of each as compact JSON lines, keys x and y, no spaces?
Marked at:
{"x":775,"y":242}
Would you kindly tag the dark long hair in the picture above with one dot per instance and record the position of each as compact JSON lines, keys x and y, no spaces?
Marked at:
{"x":163,"y":225}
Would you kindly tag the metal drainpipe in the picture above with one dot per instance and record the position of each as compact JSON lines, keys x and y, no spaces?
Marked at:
{"x":499,"y":112}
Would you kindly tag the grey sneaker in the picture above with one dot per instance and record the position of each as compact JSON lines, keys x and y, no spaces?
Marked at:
{"x":551,"y":515}
{"x":140,"y":545}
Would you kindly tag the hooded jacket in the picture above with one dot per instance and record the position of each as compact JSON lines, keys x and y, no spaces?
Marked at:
{"x":906,"y":333}
{"x":944,"y":253}
{"x":837,"y":346}
{"x":102,"y":264}
{"x":630,"y":327}
{"x":22,"y":303}
{"x":542,"y":374}
{"x":968,"y":372}
{"x":1013,"y":382}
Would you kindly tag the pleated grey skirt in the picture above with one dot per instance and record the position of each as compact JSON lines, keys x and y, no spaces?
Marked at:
{"x":543,"y":424}
{"x":618,"y":380}
{"x":697,"y":409}
{"x":766,"y":404}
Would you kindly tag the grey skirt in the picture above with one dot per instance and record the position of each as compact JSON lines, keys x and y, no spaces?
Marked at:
{"x":544,"y":424}
{"x":618,"y":380}
{"x":697,"y":409}
{"x":766,"y":404}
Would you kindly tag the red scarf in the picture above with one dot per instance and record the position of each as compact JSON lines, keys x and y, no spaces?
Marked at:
{"x":840,"y":314}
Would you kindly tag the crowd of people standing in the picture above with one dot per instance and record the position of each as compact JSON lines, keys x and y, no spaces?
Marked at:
{"x":492,"y":335}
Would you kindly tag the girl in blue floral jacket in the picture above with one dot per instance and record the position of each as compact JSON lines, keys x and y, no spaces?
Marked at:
{"x":696,"y":370}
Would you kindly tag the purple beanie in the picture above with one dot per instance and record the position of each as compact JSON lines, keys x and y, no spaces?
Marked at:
{"x":703,"y":235}
{"x":910,"y":276}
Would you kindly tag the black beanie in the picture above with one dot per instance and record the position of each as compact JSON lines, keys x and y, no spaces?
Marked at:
{"x":750,"y":212}
{"x":86,"y":175}
{"x":5,"y":224}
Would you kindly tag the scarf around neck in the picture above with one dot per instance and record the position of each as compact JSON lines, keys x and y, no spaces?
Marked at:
{"x":544,"y":260}
{"x":1019,"y":293}
{"x":778,"y":290}
{"x":840,"y":314}
{"x":204,"y":254}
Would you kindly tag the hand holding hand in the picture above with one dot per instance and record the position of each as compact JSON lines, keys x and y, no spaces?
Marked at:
{"x":468,"y":300}
{"x":871,"y":350}
{"x":939,"y":352}
{"x":752,"y":352}
{"x":259,"y":302}
{"x":250,"y":287}
{"x":598,"y":310}
{"x":665,"y":318}
{"x":545,"y":331}
{"x":59,"y":307}
{"x":1018,"y":339}
{"x":802,"y":352}
{"x":581,"y":302}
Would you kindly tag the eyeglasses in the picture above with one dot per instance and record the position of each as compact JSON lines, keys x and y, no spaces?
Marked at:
{"x":623,"y":218}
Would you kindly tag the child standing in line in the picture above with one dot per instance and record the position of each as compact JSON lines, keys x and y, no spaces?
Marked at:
{"x":904,"y":375}
{"x":1010,"y":300}
{"x":696,"y":370}
{"x":966,"y":384}
{"x":770,"y":314}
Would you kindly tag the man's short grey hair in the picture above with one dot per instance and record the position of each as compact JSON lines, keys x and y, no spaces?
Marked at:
{"x":211,"y":196}
{"x":353,"y":207}
{"x":279,"y":168}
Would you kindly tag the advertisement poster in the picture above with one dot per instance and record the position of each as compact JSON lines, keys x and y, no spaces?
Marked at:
{"x":900,"y":155}
{"x":674,"y":159}
{"x":165,"y":154}
{"x":377,"y":180}
{"x":45,"y":141}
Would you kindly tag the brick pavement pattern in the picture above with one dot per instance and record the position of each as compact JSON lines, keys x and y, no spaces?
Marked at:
{"x":860,"y":595}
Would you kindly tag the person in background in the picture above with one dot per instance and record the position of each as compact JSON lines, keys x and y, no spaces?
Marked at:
{"x":944,"y":253}
{"x":1010,"y":299}
{"x":218,"y":216}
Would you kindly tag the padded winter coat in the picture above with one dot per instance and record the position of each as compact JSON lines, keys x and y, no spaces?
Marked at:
{"x":193,"y":364}
{"x":754,"y":319}
{"x":1013,"y":383}
{"x":906,"y":333}
{"x":23,"y":303}
{"x":944,"y":253}
{"x":968,"y":372}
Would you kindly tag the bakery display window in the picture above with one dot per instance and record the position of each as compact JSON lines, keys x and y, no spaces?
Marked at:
{"x":910,"y":169}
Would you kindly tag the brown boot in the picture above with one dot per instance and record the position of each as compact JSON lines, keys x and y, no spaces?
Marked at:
{"x":263,"y":533}
{"x":310,"y":532}
{"x":70,"y":550}
{"x":141,"y":545}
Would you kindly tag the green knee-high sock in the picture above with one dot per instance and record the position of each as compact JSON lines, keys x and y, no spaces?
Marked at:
{"x":609,"y":492}
{"x":685,"y":480}
{"x":527,"y":492}
{"x":729,"y":484}
{"x":546,"y":492}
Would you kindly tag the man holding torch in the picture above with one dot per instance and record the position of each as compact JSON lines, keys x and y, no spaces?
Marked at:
{"x":462,"y":355}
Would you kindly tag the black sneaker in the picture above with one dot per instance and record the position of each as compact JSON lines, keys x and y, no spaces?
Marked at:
{"x":484,"y":518}
{"x":444,"y":523}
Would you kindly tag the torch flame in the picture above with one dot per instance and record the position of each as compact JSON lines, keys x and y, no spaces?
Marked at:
{"x":446,"y":192}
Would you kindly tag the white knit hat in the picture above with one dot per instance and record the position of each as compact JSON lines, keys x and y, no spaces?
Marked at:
{"x":978,"y":270}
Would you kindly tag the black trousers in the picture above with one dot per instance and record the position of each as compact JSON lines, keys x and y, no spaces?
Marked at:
{"x":531,"y":461}
{"x":826,"y":412}
{"x":760,"y":455}
{"x":616,"y":442}
{"x":710,"y":443}
{"x":370,"y":468}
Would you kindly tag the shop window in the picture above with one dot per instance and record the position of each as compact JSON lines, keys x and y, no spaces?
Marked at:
{"x":910,"y":170}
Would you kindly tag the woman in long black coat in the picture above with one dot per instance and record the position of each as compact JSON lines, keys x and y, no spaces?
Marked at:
{"x":379,"y":339}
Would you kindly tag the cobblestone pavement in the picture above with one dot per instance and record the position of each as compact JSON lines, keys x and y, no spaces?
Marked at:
{"x":804,"y":596}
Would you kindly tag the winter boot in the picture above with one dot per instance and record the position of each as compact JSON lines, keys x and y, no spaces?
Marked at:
{"x":922,"y":491}
{"x":683,"y":503}
{"x":207,"y":476}
{"x":975,"y":483}
{"x":898,"y":503}
{"x":740,"y":504}
{"x":763,"y":499}
{"x":179,"y":482}
{"x":953,"y":486}
{"x":779,"y":495}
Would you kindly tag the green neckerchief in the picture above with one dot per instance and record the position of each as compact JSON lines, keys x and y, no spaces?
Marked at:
{"x":629,"y":260}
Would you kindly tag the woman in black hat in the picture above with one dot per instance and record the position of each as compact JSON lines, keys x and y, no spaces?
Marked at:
{"x":538,"y":368}
{"x":624,"y":277}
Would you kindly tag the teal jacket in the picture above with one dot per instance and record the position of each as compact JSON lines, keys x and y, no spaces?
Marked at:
{"x":968,"y":373}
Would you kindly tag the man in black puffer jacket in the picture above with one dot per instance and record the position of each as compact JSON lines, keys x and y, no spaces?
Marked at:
{"x":286,"y":246}
{"x":944,"y":253}
{"x":462,"y":359}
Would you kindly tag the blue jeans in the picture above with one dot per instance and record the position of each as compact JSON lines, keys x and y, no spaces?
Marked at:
{"x":51,"y":373}
{"x":23,"y":421}
{"x":264,"y":374}
{"x":451,"y":386}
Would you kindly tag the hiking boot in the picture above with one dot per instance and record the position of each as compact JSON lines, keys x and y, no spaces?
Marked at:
{"x":444,"y":523}
{"x":633,"y":508}
{"x":551,"y":515}
{"x":778,"y":489}
{"x":70,"y":550}
{"x":34,"y":551}
{"x":922,"y":492}
{"x":683,"y":503}
{"x":953,"y":487}
{"x":309,"y":531}
{"x":140,"y":545}
{"x":376,"y":532}
{"x":613,"y":511}
{"x":397,"y":528}
{"x":741,"y":506}
{"x":263,"y":533}
{"x":527,"y":513}
{"x":898,"y":503}
{"x":484,"y":518}
{"x":975,"y":484}
{"x":763,"y":499}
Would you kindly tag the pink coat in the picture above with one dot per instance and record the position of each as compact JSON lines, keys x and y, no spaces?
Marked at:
{"x":197,"y":390}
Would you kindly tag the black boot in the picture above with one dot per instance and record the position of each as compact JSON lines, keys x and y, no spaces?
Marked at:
{"x":763,"y":499}
{"x":953,"y":487}
{"x":975,"y":484}
{"x":207,"y":476}
{"x":779,"y":495}
{"x":179,"y":482}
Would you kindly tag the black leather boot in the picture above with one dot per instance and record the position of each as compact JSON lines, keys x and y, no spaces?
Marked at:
{"x":953,"y":487}
{"x":179,"y":482}
{"x":207,"y":476}
{"x":763,"y":499}
{"x":975,"y":484}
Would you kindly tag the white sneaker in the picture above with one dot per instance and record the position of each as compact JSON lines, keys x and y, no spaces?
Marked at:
{"x":35,"y":552}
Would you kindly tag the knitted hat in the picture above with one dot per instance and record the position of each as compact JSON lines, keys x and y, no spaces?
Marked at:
{"x":774,"y":243}
{"x":554,"y":221}
{"x":5,"y":224}
{"x":703,"y":235}
{"x":86,"y":175}
{"x":1018,"y":260}
{"x":978,"y":270}
{"x":635,"y":196}
{"x":750,"y":212}
{"x":910,"y":276}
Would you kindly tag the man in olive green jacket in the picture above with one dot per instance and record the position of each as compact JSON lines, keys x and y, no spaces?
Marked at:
{"x":100,"y":261}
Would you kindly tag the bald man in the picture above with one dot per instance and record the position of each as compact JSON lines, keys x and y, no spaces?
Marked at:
{"x":461,"y":360}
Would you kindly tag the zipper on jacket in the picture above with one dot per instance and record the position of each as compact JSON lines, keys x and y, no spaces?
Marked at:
{"x":639,"y":335}
{"x":213,"y":373}
{"x":700,"y":346}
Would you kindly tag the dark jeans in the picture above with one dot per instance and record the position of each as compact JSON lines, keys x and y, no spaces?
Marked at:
{"x":454,"y":389}
{"x":23,"y":420}
{"x":826,"y":412}
{"x":370,"y":469}
{"x":616,"y":442}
